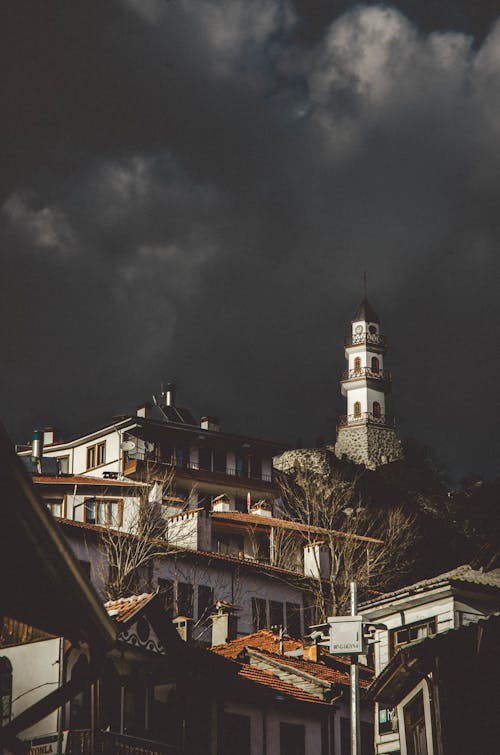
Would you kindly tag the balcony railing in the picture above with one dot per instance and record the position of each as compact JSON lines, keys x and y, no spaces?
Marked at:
{"x":109,"y":743}
{"x":365,"y":372}
{"x":139,"y":456}
{"x":366,"y":418}
{"x":365,"y":339}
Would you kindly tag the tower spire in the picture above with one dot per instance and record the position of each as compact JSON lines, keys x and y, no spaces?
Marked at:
{"x":365,"y":287}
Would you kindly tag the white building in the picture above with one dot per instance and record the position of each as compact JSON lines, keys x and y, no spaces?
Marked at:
{"x":449,"y":601}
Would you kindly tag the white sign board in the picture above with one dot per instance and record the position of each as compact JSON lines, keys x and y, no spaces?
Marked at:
{"x":346,"y":635}
{"x":48,"y":745}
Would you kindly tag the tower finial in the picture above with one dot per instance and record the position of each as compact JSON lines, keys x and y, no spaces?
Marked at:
{"x":364,"y":283}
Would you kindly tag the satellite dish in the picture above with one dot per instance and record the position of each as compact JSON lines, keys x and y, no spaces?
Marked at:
{"x":128,"y":445}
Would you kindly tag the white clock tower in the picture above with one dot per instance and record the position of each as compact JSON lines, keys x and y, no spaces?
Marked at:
{"x":366,"y":433}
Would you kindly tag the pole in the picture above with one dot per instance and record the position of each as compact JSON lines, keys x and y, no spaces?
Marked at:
{"x":355,"y":725}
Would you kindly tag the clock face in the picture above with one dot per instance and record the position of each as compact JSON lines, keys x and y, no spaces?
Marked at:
{"x":358,"y":329}
{"x":372,"y":329}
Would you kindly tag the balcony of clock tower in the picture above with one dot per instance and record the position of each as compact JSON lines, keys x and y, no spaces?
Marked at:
{"x":379,"y":379}
{"x":365,"y":339}
{"x":366,"y":418}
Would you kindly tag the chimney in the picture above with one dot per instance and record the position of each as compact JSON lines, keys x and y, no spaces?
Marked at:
{"x":210,"y":423}
{"x":312,"y":652}
{"x":49,"y":435}
{"x":37,"y":444}
{"x":224,"y":623}
{"x":169,"y":394}
{"x":262,"y":508}
{"x":184,"y":626}
{"x":223,"y":503}
{"x":144,"y":410}
{"x":316,"y":560}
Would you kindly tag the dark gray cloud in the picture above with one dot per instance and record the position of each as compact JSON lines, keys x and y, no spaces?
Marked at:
{"x":193,"y":189}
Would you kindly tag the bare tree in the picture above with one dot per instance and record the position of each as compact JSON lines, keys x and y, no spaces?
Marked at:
{"x":145,"y":534}
{"x":370,"y":546}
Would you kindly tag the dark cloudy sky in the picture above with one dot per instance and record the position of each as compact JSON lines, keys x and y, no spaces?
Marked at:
{"x":192,"y":190}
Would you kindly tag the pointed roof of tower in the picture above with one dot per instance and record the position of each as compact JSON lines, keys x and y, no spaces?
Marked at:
{"x":365,"y":312}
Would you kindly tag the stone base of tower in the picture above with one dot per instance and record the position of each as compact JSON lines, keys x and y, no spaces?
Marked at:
{"x":370,"y":445}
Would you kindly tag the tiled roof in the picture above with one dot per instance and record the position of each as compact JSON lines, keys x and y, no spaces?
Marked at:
{"x":264,"y":639}
{"x":271,"y":521}
{"x":171,"y":550}
{"x":266,"y":678}
{"x":125,"y":608}
{"x":317,"y":669}
{"x":465,"y":574}
{"x":83,"y":480}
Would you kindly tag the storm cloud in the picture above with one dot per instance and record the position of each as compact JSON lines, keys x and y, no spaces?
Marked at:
{"x":193,"y":189}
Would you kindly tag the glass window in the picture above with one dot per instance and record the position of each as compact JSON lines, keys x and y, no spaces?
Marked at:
{"x":415,"y":734}
{"x":256,"y":467}
{"x":205,"y":601}
{"x":105,"y":512}
{"x":219,"y":460}
{"x":90,"y":510}
{"x":412,"y":632}
{"x":101,"y":453}
{"x":357,"y":408}
{"x":375,"y":365}
{"x":90,"y":457}
{"x":185,"y":595}
{"x":276,"y":618}
{"x":55,"y":506}
{"x":63,"y":464}
{"x":259,"y":614}
{"x":293,"y":619}
{"x":357,"y":364}
{"x":292,"y":739}
{"x":376,"y":409}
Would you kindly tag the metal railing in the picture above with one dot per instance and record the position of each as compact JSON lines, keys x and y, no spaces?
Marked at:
{"x":365,"y":372}
{"x":366,"y":418}
{"x":143,"y":456}
{"x":365,"y":339}
{"x":109,"y":743}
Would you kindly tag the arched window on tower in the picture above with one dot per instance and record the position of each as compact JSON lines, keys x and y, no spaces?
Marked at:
{"x":5,"y":691}
{"x":357,"y":409}
{"x":375,"y":365}
{"x":357,"y":364}
{"x":377,"y":412}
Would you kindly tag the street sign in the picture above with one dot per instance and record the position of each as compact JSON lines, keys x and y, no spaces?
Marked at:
{"x":346,"y":635}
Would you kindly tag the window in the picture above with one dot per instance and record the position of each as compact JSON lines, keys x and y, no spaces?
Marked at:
{"x":104,"y":511}
{"x":235,"y":734}
{"x":375,"y":365}
{"x":357,"y":364}
{"x":185,"y":595}
{"x":259,"y":614}
{"x":181,"y":457}
{"x":357,"y":408}
{"x":56,"y":506}
{"x":292,"y":739}
{"x":219,"y":461}
{"x":387,"y":720}
{"x":415,"y":734}
{"x":276,"y":618}
{"x":166,"y":587}
{"x":376,"y":409}
{"x":256,"y":467}
{"x":96,"y":455}
{"x":205,"y":601}
{"x":293,"y":619}
{"x":5,"y":691}
{"x":411,"y":633}
{"x":205,"y":458}
{"x":63,"y":464}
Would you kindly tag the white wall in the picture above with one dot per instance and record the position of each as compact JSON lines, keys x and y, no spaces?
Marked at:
{"x":35,"y":673}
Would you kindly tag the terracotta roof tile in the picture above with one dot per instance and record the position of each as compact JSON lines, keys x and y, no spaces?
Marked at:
{"x":264,"y":639}
{"x":123,"y":609}
{"x":266,"y":678}
{"x":271,"y":521}
{"x":317,"y":669}
{"x":83,"y":480}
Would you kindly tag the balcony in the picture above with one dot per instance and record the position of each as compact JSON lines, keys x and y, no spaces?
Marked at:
{"x":366,"y":418}
{"x":365,"y":373}
{"x":109,"y":743}
{"x":138,"y":464}
{"x":365,"y":339}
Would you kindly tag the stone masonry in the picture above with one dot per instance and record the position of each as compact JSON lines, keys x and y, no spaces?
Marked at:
{"x":370,"y":445}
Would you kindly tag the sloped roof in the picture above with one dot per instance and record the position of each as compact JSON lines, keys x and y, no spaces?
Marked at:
{"x":317,"y":669}
{"x":267,"y":679}
{"x":264,"y":639}
{"x":464,"y":574}
{"x":83,"y":480}
{"x":286,"y":524}
{"x":125,"y":608}
{"x":365,"y":312}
